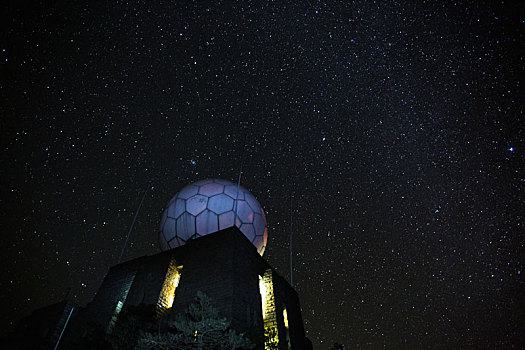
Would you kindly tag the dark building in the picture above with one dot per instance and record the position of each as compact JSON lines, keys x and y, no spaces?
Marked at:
{"x":224,"y":265}
{"x":213,"y":234}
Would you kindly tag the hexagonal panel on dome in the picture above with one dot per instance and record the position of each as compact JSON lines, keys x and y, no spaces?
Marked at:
{"x":211,"y":189}
{"x":169,"y":229}
{"x":258,"y":242}
{"x":220,"y":203}
{"x":185,"y":226}
{"x":163,"y":220}
{"x":173,"y":243}
{"x":258,"y":223}
{"x":162,"y":242}
{"x":248,"y":231}
{"x":187,"y":192}
{"x":207,"y":222}
{"x":222,"y":182}
{"x":196,"y":204}
{"x":195,"y":236}
{"x":202,"y":182}
{"x":252,"y":202}
{"x":179,"y":241}
{"x":231,"y":191}
{"x":244,"y":212}
{"x":226,"y":220}
{"x":176,"y":208}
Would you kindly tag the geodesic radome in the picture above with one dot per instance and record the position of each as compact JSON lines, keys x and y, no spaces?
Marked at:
{"x":208,"y":206}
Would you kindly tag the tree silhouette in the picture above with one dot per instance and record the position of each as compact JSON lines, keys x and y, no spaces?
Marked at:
{"x":200,"y":327}
{"x":132,"y":321}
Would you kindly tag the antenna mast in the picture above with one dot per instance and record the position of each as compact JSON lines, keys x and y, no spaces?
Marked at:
{"x":237,"y":197}
{"x":291,"y":246}
{"x":235,"y":203}
{"x":132,"y":224}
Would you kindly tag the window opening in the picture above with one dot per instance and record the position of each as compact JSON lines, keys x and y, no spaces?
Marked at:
{"x":126,"y":286}
{"x":287,"y":328}
{"x":271,"y":336}
{"x":167,"y":293}
{"x":114,"y":317}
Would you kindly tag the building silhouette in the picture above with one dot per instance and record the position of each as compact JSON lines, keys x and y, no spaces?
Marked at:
{"x":226,"y":264}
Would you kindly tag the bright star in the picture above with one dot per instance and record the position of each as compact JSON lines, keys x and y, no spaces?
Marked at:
{"x":511,"y":149}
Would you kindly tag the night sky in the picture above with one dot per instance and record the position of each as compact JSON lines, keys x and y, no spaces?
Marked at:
{"x":396,"y":127}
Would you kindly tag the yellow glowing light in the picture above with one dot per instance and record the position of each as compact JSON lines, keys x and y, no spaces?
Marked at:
{"x":167,"y":293}
{"x":285,"y":318}
{"x":268,"y":310}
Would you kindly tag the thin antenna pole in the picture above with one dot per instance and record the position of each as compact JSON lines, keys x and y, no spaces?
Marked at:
{"x":236,"y":200}
{"x":237,"y":197}
{"x":291,"y":243}
{"x":64,"y":328}
{"x":132,"y":224}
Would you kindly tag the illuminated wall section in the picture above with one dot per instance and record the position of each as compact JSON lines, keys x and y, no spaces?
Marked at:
{"x":114,"y":317}
{"x":126,"y":285}
{"x":268,"y":310}
{"x":167,"y":293}
{"x":285,"y":318}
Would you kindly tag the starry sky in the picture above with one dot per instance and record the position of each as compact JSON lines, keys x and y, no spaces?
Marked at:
{"x":396,"y":127}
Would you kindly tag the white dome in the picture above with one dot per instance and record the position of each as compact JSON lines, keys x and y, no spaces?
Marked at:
{"x":208,"y":206}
